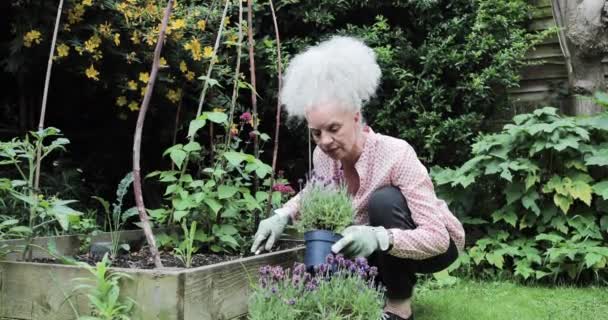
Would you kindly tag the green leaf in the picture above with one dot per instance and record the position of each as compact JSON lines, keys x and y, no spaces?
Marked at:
{"x":562,"y":202}
{"x":192,"y":146}
{"x":508,"y":216}
{"x":598,"y":158}
{"x":179,"y":214}
{"x":529,"y":202}
{"x":178,"y":157}
{"x":601,"y":189}
{"x":20,"y":230}
{"x":195,"y":125}
{"x":211,"y":82}
{"x":262,"y":169}
{"x":225,"y":192}
{"x":592,"y":258}
{"x":213,"y":204}
{"x":264,"y":137}
{"x":495,"y":259}
{"x":217,"y":117}
{"x":235,"y":158}
{"x":554,"y":238}
{"x":581,"y":190}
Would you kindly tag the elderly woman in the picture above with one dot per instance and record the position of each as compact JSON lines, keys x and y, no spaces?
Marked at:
{"x":401,"y":225}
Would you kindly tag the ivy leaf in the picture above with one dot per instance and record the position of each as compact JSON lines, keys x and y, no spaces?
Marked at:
{"x":514,"y":192}
{"x":195,"y":125}
{"x":554,"y":238}
{"x":604,"y":223}
{"x":529,"y":202}
{"x":598,"y":158}
{"x":601,"y":189}
{"x":564,"y":143}
{"x":581,"y":190}
{"x":592,"y":258}
{"x":495,"y":259}
{"x":562,"y":202}
{"x":508,"y":216}
{"x":522,"y":268}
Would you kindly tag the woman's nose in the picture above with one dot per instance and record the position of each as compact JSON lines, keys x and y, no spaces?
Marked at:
{"x":326,"y":139}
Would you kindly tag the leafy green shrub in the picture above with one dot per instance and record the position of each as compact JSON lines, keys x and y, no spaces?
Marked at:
{"x":539,"y":192}
{"x":103,"y":292}
{"x":446,"y":64}
{"x":216,"y":189}
{"x":325,"y":205}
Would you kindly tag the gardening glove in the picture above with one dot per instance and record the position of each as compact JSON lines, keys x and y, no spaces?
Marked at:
{"x":362,"y":241}
{"x":270,"y":229}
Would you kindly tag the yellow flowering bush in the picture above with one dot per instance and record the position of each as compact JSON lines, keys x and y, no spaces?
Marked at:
{"x":110,"y":44}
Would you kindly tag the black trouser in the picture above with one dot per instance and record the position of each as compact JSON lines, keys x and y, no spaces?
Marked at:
{"x":388,"y":208}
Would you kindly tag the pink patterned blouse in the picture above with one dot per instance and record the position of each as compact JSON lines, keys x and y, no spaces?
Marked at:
{"x":390,"y":161}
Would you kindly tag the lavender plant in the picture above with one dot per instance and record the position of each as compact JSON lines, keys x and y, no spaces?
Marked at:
{"x":325,"y":205}
{"x":328,"y":294}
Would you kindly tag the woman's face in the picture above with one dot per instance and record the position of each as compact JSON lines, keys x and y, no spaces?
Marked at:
{"x":334,"y":130}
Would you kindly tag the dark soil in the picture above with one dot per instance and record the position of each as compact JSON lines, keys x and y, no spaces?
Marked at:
{"x":142,"y":259}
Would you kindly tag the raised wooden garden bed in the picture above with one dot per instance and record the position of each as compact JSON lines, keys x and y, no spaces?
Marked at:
{"x":219,"y":291}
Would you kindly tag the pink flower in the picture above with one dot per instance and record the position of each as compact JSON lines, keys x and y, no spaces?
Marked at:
{"x":283,"y":188}
{"x":245,"y":117}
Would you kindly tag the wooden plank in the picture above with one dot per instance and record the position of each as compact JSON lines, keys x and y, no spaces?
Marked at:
{"x":222,"y":291}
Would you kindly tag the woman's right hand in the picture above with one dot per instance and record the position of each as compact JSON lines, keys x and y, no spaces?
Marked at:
{"x":270,"y":230}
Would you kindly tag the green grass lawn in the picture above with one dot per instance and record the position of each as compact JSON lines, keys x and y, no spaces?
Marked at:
{"x":507,"y":301}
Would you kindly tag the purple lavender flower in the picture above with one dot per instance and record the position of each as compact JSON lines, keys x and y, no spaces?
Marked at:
{"x":299,"y":268}
{"x":274,"y":290}
{"x":277,"y":273}
{"x":291,"y":301}
{"x":340,"y":260}
{"x":373,"y":271}
{"x":329,"y":259}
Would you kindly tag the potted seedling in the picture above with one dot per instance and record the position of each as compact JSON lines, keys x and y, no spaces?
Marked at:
{"x":325,"y":210}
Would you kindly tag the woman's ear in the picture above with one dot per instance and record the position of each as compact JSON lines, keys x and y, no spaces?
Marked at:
{"x":358,"y":117}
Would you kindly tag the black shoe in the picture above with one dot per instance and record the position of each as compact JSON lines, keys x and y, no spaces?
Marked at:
{"x":392,"y":316}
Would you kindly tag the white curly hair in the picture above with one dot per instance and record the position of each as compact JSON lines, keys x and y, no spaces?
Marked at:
{"x":341,"y":71}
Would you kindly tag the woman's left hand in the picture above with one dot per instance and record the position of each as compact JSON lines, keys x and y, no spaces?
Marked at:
{"x":362,"y":241}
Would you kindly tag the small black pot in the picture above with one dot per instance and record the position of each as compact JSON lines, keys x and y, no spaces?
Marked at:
{"x":318,"y":246}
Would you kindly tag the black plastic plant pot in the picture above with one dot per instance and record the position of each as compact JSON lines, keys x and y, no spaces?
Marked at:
{"x":318,"y":246}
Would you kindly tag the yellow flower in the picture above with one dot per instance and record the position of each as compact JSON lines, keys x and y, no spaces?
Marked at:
{"x":219,"y":109}
{"x":132,"y":85}
{"x":183,"y":67}
{"x":202,"y":24}
{"x":121,"y":101}
{"x":92,"y":44}
{"x":195,"y":48}
{"x":135,"y":37}
{"x":144,"y":77}
{"x":227,"y":21}
{"x":234,"y":130}
{"x":91,"y":73}
{"x":133,"y":106}
{"x":142,"y":91}
{"x":162,"y":62}
{"x":121,"y":7}
{"x":150,"y":38}
{"x":75,"y":15}
{"x":33,"y":36}
{"x":105,"y":29}
{"x":174,"y":95}
{"x":79,"y":49}
{"x":178,"y":24}
{"x":131,"y":57}
{"x":117,"y":39}
{"x":63,"y":50}
{"x":87,"y":3}
{"x":208,"y":52}
{"x":190,"y":75}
